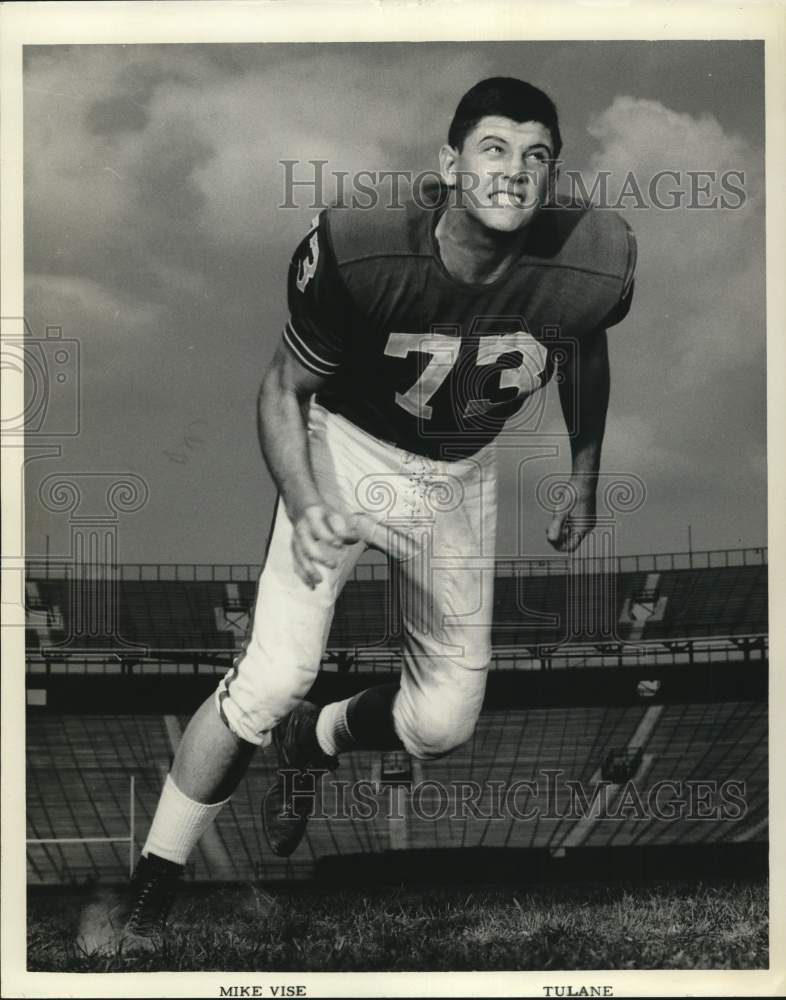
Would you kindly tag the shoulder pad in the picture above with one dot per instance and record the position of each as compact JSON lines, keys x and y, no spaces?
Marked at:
{"x":589,"y":239}
{"x":362,"y":233}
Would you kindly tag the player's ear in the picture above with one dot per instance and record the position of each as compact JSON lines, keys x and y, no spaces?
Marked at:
{"x":448,"y":157}
{"x":551,"y":193}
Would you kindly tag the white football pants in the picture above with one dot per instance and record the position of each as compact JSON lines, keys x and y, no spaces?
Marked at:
{"x":437,"y":519}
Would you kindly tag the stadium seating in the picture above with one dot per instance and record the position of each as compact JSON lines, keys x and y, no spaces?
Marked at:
{"x":180,"y":616}
{"x":699,"y":743}
{"x":79,"y":770}
{"x":728,"y":600}
{"x":680,"y":610}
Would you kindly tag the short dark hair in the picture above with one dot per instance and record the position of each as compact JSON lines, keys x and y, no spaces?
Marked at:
{"x":508,"y":97}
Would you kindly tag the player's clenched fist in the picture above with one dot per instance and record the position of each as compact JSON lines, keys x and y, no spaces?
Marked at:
{"x":319,"y":534}
{"x":569,"y":527}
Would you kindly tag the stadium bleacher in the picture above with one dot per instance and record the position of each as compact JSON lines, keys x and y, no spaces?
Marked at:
{"x":703,"y":743}
{"x":712,"y":610}
{"x":532,"y":608}
{"x":79,"y":771}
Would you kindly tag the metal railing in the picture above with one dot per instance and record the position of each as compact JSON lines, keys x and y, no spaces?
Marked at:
{"x":649,"y":653}
{"x":558,"y":565}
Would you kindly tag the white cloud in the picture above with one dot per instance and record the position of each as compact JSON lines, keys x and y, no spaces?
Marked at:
{"x":151,"y":229}
{"x":690,"y":359}
{"x":700,"y":276}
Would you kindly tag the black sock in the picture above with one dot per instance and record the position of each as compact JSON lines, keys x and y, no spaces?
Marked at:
{"x":370,"y":718}
{"x":364,"y":722}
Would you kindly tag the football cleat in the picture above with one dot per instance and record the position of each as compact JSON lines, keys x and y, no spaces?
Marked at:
{"x":289,"y":801}
{"x":132,"y":922}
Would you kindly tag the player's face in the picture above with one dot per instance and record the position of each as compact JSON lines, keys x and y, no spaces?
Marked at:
{"x":504,"y":171}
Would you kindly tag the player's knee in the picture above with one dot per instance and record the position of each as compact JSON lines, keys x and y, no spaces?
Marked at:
{"x":433,"y":737}
{"x":240,"y":722}
{"x":252,"y":699}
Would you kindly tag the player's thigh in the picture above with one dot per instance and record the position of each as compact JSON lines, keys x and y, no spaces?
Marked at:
{"x":446,"y":598}
{"x":446,"y":586}
{"x":289,"y":631}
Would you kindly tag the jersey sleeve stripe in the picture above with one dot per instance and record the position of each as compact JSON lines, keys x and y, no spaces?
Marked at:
{"x":631,"y":265}
{"x":317,"y":359}
{"x":292,"y":344}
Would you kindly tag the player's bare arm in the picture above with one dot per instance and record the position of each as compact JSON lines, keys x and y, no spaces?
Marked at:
{"x":584,"y":397}
{"x":282,"y":414}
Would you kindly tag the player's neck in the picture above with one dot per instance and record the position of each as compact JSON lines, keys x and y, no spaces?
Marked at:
{"x":473,"y":253}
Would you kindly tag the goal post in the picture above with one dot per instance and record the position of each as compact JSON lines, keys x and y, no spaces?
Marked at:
{"x":130,"y":839}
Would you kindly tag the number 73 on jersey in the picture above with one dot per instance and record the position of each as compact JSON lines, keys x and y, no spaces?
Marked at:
{"x":535,"y":367}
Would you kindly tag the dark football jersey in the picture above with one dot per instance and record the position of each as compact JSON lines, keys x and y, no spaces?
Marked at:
{"x":437,"y":365}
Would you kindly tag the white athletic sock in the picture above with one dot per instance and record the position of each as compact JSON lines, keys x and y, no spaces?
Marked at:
{"x":333,"y":735}
{"x":178,"y":824}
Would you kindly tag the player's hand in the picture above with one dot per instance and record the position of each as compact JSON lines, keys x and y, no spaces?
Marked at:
{"x":318,"y":537}
{"x":569,"y":527}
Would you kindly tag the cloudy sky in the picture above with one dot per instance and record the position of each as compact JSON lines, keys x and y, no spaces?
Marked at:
{"x":153,"y":237}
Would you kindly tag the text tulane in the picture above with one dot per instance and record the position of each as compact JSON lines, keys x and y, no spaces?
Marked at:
{"x":578,"y":991}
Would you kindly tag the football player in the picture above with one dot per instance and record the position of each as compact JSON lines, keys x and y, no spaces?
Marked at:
{"x":413,"y":336}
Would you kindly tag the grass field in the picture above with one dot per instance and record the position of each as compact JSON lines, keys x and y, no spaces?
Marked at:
{"x":657,"y":926}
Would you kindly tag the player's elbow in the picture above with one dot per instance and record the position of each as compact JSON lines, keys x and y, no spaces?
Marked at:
{"x":271,"y":387}
{"x":286,"y":377}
